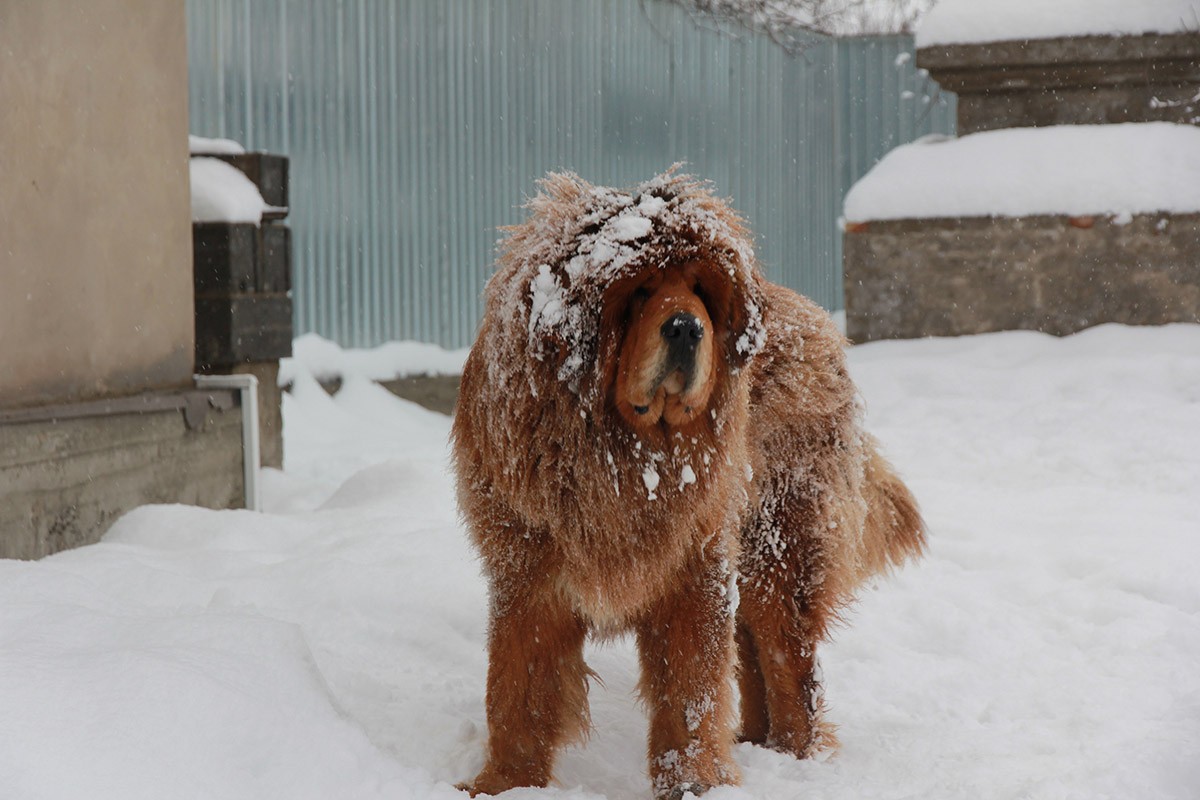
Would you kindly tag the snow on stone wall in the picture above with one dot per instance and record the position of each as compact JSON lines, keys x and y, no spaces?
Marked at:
{"x":1067,"y":169}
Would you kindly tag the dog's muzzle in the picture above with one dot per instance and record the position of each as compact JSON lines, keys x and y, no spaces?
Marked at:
{"x":682,"y":334}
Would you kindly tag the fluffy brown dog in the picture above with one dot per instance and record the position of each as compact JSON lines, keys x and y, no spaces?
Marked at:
{"x":647,"y":432}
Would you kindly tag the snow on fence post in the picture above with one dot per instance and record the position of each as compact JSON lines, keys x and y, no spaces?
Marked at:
{"x":242,"y":270}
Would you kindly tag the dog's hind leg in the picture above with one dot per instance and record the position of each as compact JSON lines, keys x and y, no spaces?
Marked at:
{"x":755,"y":722}
{"x":787,"y":657}
{"x":788,"y":598}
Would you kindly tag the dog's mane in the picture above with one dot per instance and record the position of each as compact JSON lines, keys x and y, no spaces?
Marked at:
{"x":556,"y":449}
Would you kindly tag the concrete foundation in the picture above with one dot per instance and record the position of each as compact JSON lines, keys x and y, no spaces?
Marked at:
{"x":949,"y":277}
{"x":270,"y":410}
{"x":68,"y":472}
{"x":270,"y":407}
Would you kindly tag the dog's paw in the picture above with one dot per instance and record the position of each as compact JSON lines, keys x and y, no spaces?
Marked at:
{"x":818,"y":741}
{"x":491,"y":781}
{"x":482,"y":786}
{"x":683,"y":790}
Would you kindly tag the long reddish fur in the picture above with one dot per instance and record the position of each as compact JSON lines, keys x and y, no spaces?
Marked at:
{"x":793,"y":501}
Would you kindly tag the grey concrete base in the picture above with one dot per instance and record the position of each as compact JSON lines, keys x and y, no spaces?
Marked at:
{"x":68,"y":472}
{"x":435,"y":392}
{"x":1070,"y":81}
{"x":948,"y":277}
{"x":270,"y":410}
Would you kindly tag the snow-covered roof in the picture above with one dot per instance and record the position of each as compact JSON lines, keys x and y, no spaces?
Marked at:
{"x":973,"y":21}
{"x":200,"y":146}
{"x":1068,"y":169}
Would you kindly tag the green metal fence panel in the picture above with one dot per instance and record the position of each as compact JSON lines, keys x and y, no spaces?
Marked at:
{"x":884,"y":101}
{"x":416,"y":128}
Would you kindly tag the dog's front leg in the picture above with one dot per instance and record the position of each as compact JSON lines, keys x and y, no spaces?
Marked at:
{"x":686,"y":648}
{"x":536,"y":684}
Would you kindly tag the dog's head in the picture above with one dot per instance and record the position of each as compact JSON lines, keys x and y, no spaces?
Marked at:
{"x":673,"y":332}
{"x":646,"y":302}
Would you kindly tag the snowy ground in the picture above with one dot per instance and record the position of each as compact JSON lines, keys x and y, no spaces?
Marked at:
{"x":333,"y":647}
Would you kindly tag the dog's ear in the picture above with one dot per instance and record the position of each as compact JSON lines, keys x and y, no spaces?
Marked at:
{"x":748,"y":330}
{"x":555,"y":320}
{"x":736,"y":302}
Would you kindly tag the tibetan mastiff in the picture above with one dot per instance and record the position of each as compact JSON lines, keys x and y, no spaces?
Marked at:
{"x":652,"y":438}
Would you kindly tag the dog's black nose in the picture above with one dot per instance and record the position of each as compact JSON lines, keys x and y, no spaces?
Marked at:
{"x":682,"y":331}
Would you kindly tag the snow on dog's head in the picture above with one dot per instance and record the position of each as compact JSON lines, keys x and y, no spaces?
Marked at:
{"x":639,"y":296}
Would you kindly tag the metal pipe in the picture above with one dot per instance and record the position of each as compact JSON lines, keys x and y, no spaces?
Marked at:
{"x":247,"y":385}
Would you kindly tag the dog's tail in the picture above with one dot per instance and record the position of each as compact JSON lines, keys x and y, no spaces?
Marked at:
{"x":894,"y":531}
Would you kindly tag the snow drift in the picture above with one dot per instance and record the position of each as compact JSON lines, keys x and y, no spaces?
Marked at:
{"x":334,"y":647}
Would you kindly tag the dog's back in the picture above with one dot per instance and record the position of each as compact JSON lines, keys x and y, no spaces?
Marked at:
{"x":827,"y":512}
{"x":806,"y":433}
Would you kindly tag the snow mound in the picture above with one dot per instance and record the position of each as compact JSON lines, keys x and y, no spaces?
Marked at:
{"x":1124,"y":169}
{"x":326,"y":360}
{"x":971,"y":21}
{"x":222,"y":193}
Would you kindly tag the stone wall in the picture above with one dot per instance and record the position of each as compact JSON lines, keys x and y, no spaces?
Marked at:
{"x":1076,"y":81}
{"x":949,"y":277}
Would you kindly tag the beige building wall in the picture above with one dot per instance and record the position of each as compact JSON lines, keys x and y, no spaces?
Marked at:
{"x":95,"y":223}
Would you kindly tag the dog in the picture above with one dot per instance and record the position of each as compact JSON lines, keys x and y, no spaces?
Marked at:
{"x":651,"y":438}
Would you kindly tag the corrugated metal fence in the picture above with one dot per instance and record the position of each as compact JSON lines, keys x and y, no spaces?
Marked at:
{"x":416,"y":128}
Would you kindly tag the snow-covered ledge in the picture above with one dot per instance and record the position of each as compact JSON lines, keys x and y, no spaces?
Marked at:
{"x":1051,"y":229}
{"x":1019,"y":63}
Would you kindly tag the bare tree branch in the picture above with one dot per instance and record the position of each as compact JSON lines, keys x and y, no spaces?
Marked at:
{"x":786,"y":21}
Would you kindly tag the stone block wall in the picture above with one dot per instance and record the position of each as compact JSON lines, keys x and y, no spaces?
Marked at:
{"x":950,"y":277}
{"x":1088,"y":80}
